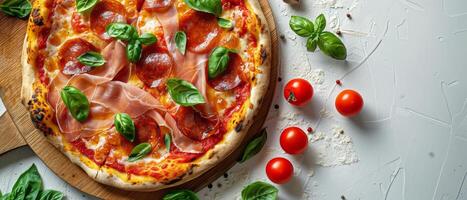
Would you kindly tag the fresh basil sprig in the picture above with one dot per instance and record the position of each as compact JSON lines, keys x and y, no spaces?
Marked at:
{"x":184,"y":93}
{"x":125,"y":126}
{"x":167,"y":141}
{"x":121,"y":31}
{"x":85,"y":5}
{"x":180,"y":41}
{"x":254,"y":146}
{"x":139,"y":151}
{"x":29,"y":186}
{"x":328,"y":43}
{"x":16,"y":8}
{"x":209,"y":6}
{"x":180,"y":195}
{"x":225,"y":23}
{"x":147,"y":38}
{"x":126,"y":32}
{"x":218,"y":61}
{"x":259,"y":190}
{"x":92,"y":59}
{"x":76,"y":102}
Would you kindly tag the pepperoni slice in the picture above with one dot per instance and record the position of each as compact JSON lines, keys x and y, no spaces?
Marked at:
{"x":193,"y":125}
{"x":147,"y":130}
{"x":157,"y":5}
{"x":68,"y":54}
{"x":232,"y":77}
{"x":202,"y":31}
{"x":104,"y":13}
{"x":155,"y":64}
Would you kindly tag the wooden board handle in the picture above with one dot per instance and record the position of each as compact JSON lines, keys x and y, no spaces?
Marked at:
{"x":11,"y":137}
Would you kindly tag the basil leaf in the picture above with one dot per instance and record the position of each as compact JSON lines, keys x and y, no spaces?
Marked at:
{"x":184,"y":93}
{"x":301,"y":26}
{"x":180,"y":195}
{"x":225,"y":23}
{"x":133,"y":50}
{"x":167,"y":141}
{"x":85,"y":5}
{"x":125,"y":126}
{"x":259,"y":191}
{"x":139,"y":151}
{"x":28,"y":185}
{"x":92,"y":59}
{"x":147,"y":38}
{"x":320,"y":23}
{"x":50,"y":195}
{"x":311,"y":44}
{"x":180,"y":41}
{"x":76,"y":102}
{"x":121,"y":31}
{"x":218,"y":61}
{"x":254,"y":146}
{"x":208,"y":6}
{"x":16,"y":8}
{"x":332,"y":46}
{"x":5,"y":196}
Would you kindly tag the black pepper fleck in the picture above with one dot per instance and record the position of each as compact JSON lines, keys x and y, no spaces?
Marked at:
{"x":219,"y":185}
{"x":226,"y":175}
{"x":341,"y":131}
{"x":339,"y":33}
{"x":276,"y":106}
{"x":282,"y":36}
{"x":239,"y":127}
{"x":349,"y":16}
{"x":209,"y":185}
{"x":279,"y":79}
{"x":343,"y":197}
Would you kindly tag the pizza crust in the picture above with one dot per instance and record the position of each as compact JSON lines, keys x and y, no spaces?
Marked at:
{"x":222,"y":150}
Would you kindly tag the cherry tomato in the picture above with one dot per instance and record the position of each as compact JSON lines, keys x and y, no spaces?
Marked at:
{"x":298,"y":92}
{"x":349,"y":103}
{"x":279,"y":170}
{"x":294,"y":140}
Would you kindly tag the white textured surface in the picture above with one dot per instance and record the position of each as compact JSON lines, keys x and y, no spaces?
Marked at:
{"x":408,"y":60}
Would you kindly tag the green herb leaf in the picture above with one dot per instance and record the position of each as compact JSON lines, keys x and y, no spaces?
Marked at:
{"x":218,"y":61}
{"x":259,"y":191}
{"x":208,"y":6}
{"x":147,"y":38}
{"x":184,"y":93}
{"x":225,"y":23}
{"x":125,"y":126}
{"x":301,"y":26}
{"x":92,"y":59}
{"x":85,"y":5}
{"x":5,"y":196}
{"x":76,"y":102}
{"x":121,"y":31}
{"x":180,"y":41}
{"x":28,"y":185}
{"x":167,"y":141}
{"x":180,"y":195}
{"x":311,"y":44}
{"x":50,"y":195}
{"x":16,"y":8}
{"x":320,"y":24}
{"x":133,"y":50}
{"x":332,"y":46}
{"x":254,"y":146}
{"x":139,"y":151}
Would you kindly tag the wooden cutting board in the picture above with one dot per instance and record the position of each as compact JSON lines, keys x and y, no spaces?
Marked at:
{"x":18,"y":130}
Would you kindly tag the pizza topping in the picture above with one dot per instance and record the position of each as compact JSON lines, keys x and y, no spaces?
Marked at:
{"x":114,"y":55}
{"x":105,"y":13}
{"x":225,"y":23}
{"x":218,"y":61}
{"x":92,"y":59}
{"x":85,"y":5}
{"x":125,"y":126}
{"x":231,"y":77}
{"x":68,"y":56}
{"x":157,"y":5}
{"x":76,"y":102}
{"x":121,"y":31}
{"x":78,"y":24}
{"x":208,"y":6}
{"x":184,"y":93}
{"x":154,"y":66}
{"x":181,"y":141}
{"x":139,"y":152}
{"x":180,"y":41}
{"x":195,"y":126}
{"x":202,"y":31}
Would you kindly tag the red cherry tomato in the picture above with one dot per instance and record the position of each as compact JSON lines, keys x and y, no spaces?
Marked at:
{"x":349,"y":103}
{"x":279,"y":170}
{"x":294,"y":140}
{"x":298,"y":92}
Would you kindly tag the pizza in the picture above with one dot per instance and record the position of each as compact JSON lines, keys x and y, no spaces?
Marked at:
{"x":145,"y":94}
